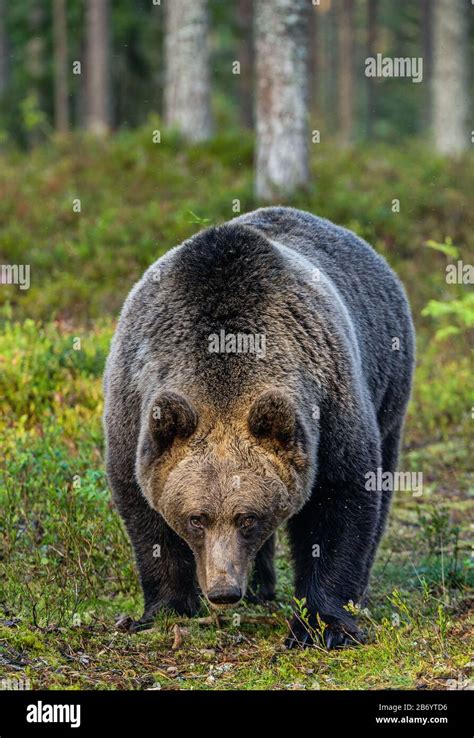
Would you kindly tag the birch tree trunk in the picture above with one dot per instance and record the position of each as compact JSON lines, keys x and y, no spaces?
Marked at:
{"x":61,"y":98}
{"x":283,"y":135}
{"x":450,"y":89}
{"x":187,"y":80}
{"x":97,"y":67}
{"x":346,"y":70}
{"x":244,"y":16}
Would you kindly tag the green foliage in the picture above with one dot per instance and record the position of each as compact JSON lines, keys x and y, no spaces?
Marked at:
{"x":445,"y":248}
{"x":62,"y":545}
{"x":136,"y":199}
{"x":455,"y":315}
{"x":34,"y":119}
{"x":41,"y":367}
{"x":458,"y":314}
{"x":437,"y":529}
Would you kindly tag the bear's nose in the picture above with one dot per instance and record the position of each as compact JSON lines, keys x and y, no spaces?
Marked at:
{"x":222,"y":595}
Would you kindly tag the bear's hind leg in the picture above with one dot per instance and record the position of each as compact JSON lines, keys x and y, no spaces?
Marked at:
{"x":390,"y":454}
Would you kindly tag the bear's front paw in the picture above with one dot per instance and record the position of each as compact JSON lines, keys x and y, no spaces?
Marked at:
{"x":300,"y":635}
{"x":339,"y":636}
{"x":126,"y":624}
{"x":303,"y":634}
{"x":188,"y":607}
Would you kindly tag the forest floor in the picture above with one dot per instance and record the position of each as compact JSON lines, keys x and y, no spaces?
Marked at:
{"x":67,"y":572}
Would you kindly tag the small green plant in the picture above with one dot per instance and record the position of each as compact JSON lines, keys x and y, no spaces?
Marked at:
{"x":442,"y":623}
{"x":456,"y":315}
{"x":437,"y":529}
{"x":204,"y":222}
{"x":302,"y":613}
{"x":444,"y":548}
{"x":398,"y":601}
{"x":447,"y":248}
{"x":34,"y":119}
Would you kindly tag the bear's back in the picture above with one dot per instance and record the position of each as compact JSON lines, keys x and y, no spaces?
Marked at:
{"x":256,"y":276}
{"x":372,"y":293}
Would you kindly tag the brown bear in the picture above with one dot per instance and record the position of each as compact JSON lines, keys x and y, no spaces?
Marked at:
{"x":259,"y":372}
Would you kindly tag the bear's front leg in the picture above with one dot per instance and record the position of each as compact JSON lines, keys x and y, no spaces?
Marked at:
{"x":263,"y":581}
{"x":332,"y":540}
{"x":165,"y":562}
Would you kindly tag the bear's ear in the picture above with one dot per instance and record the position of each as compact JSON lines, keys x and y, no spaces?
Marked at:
{"x":171,"y":416}
{"x":273,"y":416}
{"x":274,"y":420}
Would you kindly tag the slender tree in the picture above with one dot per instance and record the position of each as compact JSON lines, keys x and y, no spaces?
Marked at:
{"x":97,"y":67}
{"x":61,"y":97}
{"x":371,"y":43}
{"x":35,"y":125}
{"x":450,"y":88}
{"x":315,"y":63}
{"x":3,"y":49}
{"x":283,"y":135}
{"x":346,"y":69}
{"x":187,"y":83}
{"x":244,"y":18}
{"x":427,"y":46}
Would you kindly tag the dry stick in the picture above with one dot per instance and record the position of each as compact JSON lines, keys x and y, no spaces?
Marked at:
{"x":123,"y":623}
{"x":221,"y":620}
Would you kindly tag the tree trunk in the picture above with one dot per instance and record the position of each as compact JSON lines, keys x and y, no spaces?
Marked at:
{"x":61,"y":97}
{"x":97,"y":67}
{"x":281,"y":33}
{"x":34,"y":60}
{"x":427,"y":46}
{"x":346,"y":70}
{"x":3,"y":49}
{"x":244,"y":17}
{"x":371,"y":42}
{"x":187,"y":83}
{"x":450,"y":89}
{"x":315,"y":64}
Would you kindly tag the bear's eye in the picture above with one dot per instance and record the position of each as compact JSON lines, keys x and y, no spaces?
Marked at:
{"x":197,"y":522}
{"x":247,"y":521}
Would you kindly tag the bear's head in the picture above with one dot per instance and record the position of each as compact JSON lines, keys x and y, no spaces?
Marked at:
{"x":224,"y":484}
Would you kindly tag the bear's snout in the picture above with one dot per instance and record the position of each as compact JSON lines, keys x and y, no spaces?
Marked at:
{"x":222,"y":566}
{"x":222,"y":594}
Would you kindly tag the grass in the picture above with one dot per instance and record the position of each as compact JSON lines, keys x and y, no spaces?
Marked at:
{"x":67,"y":571}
